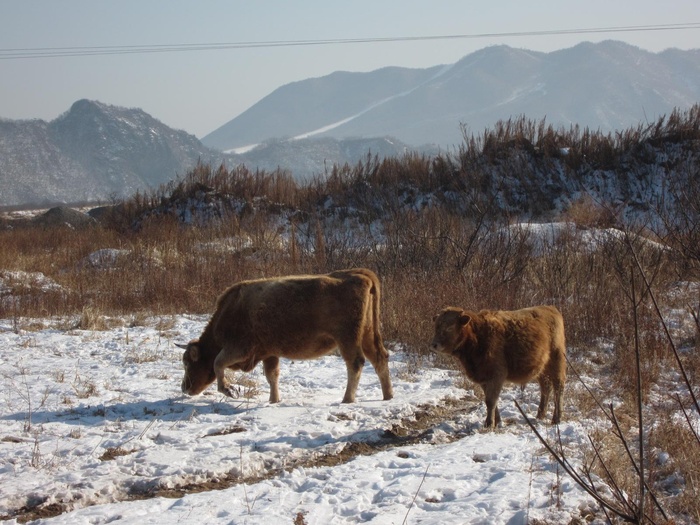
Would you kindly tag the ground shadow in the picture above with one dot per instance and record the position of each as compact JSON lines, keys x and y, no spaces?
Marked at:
{"x":171,"y":409}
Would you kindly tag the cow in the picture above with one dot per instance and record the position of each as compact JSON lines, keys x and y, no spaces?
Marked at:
{"x":295,"y":317}
{"x":497,"y":346}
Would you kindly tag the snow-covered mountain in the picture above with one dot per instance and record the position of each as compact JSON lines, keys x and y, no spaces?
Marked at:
{"x":607,"y":86}
{"x":92,"y":152}
{"x":97,"y":152}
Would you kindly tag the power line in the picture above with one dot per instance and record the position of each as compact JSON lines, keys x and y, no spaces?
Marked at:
{"x":61,"y":52}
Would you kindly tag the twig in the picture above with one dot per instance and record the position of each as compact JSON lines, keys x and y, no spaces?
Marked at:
{"x":415,"y":495}
{"x":619,"y":493}
{"x":248,"y":505}
{"x":590,"y":392}
{"x":529,"y":489}
{"x":143,"y":432}
{"x":640,"y":416}
{"x":618,"y":431}
{"x":687,"y":418}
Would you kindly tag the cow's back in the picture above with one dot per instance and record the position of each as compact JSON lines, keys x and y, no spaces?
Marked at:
{"x":293,"y":314}
{"x":530,"y":336}
{"x":550,"y":318}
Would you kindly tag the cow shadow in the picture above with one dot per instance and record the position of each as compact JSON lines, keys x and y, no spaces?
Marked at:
{"x":170,"y":409}
{"x":299,"y":440}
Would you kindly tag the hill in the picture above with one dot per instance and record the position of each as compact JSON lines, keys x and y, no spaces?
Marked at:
{"x":607,"y":86}
{"x":96,"y":152}
{"x":92,"y":152}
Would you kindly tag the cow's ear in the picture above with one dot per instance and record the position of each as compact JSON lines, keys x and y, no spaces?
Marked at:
{"x":464,"y":319}
{"x":193,"y":350}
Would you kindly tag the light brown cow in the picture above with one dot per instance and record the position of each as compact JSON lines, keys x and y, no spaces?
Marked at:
{"x":297,"y":317}
{"x":498,"y":346}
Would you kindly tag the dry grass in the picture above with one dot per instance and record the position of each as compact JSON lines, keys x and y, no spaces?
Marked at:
{"x":243,"y":386}
{"x":675,"y":465}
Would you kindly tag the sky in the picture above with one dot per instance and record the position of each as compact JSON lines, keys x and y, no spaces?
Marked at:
{"x":200,"y":90}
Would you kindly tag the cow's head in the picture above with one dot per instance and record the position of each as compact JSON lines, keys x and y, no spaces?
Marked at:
{"x":199,"y":373}
{"x":449,"y":330}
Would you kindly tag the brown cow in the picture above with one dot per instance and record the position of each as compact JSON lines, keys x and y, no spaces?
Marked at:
{"x":498,"y":346}
{"x":297,"y":317}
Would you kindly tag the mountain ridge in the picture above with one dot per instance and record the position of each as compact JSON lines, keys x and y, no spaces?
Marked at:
{"x":96,"y":152}
{"x":326,"y":109}
{"x":605,"y":86}
{"x":90,"y":152}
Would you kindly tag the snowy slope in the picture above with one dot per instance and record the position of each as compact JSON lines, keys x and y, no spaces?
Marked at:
{"x":73,"y":397}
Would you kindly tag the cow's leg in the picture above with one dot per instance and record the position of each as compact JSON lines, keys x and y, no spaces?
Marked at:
{"x":227,"y":358}
{"x":545,"y":389}
{"x":354,"y":362}
{"x":556,"y":376}
{"x":558,"y":395}
{"x":271,"y":366}
{"x":492,"y":391}
{"x":374,"y":350}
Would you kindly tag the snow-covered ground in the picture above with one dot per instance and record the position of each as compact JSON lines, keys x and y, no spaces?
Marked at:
{"x":92,"y":421}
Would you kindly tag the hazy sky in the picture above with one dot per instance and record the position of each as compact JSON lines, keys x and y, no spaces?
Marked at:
{"x":198,"y":91}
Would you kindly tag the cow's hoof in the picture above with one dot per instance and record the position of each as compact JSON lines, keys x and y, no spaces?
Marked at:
{"x":227,"y":391}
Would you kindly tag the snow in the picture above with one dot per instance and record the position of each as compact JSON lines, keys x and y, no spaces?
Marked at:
{"x":105,"y":258}
{"x":71,"y":396}
{"x":10,"y":280}
{"x":544,"y":236}
{"x":242,"y":149}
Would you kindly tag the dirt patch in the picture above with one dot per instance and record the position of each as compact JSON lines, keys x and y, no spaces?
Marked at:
{"x":26,"y":514}
{"x":114,"y":452}
{"x":227,"y":431}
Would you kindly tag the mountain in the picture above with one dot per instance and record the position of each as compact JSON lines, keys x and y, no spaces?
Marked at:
{"x":308,"y":105}
{"x":606,"y":86}
{"x":97,"y":152}
{"x":92,"y":152}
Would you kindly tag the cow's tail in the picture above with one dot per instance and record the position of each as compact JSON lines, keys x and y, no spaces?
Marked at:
{"x":380,"y":356}
{"x":376,"y":299}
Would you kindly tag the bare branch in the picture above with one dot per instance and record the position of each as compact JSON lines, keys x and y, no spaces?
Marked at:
{"x":589,"y":488}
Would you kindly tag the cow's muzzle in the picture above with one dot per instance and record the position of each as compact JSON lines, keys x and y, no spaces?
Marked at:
{"x":437,"y":348}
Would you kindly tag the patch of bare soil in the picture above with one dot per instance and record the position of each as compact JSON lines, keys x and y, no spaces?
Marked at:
{"x":26,"y":514}
{"x":114,"y":452}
